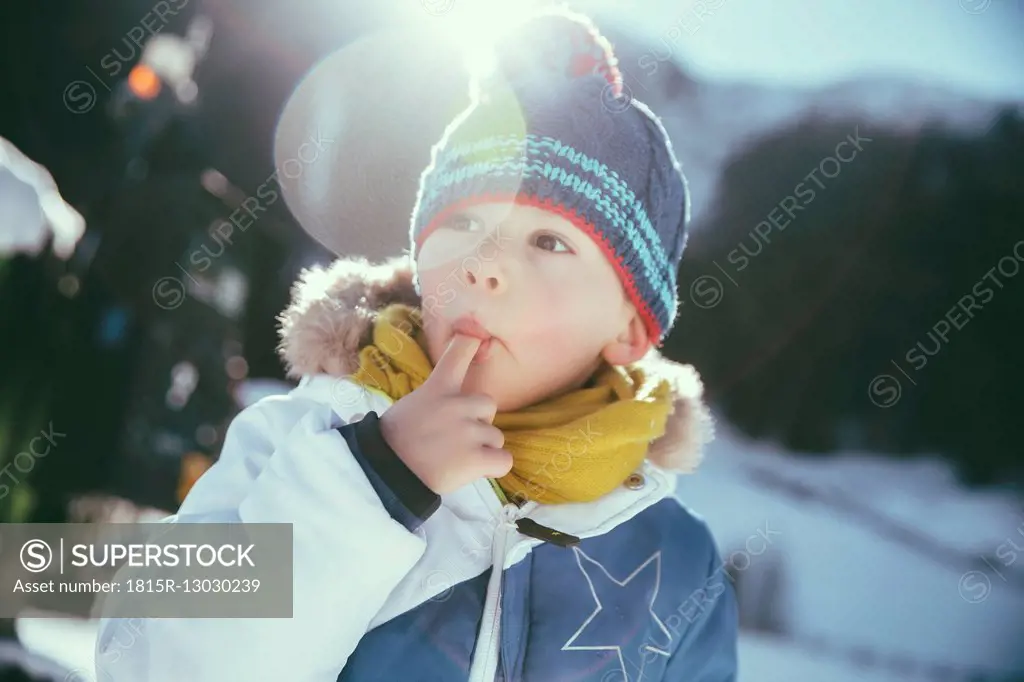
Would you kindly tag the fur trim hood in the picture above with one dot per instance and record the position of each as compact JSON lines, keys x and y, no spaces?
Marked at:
{"x":331,"y":316}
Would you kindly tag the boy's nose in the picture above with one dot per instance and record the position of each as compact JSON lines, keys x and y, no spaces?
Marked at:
{"x":489,"y":278}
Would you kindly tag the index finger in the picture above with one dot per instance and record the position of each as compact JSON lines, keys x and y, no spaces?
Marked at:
{"x":452,"y":366}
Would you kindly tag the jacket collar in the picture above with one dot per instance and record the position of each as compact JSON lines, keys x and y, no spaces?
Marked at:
{"x":478,"y":503}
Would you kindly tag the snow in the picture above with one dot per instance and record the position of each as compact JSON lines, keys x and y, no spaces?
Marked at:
{"x":34,"y":210}
{"x":879,"y":558}
{"x":771,"y":659}
{"x":67,"y":641}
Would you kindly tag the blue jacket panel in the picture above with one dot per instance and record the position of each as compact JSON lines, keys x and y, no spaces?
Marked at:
{"x":648,"y":601}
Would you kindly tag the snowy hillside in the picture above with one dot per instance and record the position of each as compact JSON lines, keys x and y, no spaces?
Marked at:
{"x":872,"y":561}
{"x":711,"y":121}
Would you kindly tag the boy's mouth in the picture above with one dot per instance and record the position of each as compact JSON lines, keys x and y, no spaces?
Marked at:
{"x":470,"y":326}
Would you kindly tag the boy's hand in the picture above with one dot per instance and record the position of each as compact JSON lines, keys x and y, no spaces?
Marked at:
{"x":443,"y":435}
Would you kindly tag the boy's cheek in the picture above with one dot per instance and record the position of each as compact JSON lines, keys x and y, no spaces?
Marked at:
{"x":547,"y":338}
{"x":446,"y":292}
{"x":552,"y":316}
{"x":448,"y":251}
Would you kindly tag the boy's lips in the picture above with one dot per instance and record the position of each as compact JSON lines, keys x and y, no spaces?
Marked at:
{"x":470,"y":326}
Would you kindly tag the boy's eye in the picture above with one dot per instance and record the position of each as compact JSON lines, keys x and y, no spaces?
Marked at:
{"x":550,"y":242}
{"x":464,"y":223}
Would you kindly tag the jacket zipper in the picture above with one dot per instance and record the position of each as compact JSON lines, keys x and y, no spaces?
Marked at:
{"x":484,"y":667}
{"x":485,"y":660}
{"x":532,"y":529}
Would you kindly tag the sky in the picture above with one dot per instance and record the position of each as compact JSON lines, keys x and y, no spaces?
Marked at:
{"x":974,"y":45}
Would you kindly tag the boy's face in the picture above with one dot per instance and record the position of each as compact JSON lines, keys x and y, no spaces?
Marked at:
{"x":536,"y":284}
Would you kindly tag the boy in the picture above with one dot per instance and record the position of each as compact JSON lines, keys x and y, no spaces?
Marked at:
{"x":478,"y":460}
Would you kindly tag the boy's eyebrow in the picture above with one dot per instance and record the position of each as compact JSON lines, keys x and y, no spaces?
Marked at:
{"x":549,"y":221}
{"x":466,"y":212}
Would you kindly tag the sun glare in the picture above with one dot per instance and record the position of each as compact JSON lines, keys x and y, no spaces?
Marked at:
{"x":474,"y":26}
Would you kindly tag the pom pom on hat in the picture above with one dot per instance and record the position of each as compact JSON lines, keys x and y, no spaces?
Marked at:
{"x":556,"y":44}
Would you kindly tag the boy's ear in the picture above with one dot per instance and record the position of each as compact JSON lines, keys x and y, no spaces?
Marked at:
{"x":631,"y":345}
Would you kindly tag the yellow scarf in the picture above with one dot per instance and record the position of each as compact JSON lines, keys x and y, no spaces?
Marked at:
{"x":572,"y":448}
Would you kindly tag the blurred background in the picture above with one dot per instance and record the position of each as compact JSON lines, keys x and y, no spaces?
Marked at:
{"x":852,"y":292}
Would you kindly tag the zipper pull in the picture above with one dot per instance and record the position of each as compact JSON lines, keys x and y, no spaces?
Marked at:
{"x":531,"y":528}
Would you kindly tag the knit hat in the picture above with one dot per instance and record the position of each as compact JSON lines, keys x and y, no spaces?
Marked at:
{"x":552,"y":128}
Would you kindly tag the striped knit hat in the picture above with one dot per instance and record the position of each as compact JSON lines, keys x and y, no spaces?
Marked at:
{"x":552,"y":128}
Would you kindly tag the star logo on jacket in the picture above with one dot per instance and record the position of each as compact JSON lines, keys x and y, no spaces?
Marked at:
{"x":609,"y":627}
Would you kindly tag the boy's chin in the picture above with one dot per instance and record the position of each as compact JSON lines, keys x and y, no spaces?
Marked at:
{"x":480,"y":379}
